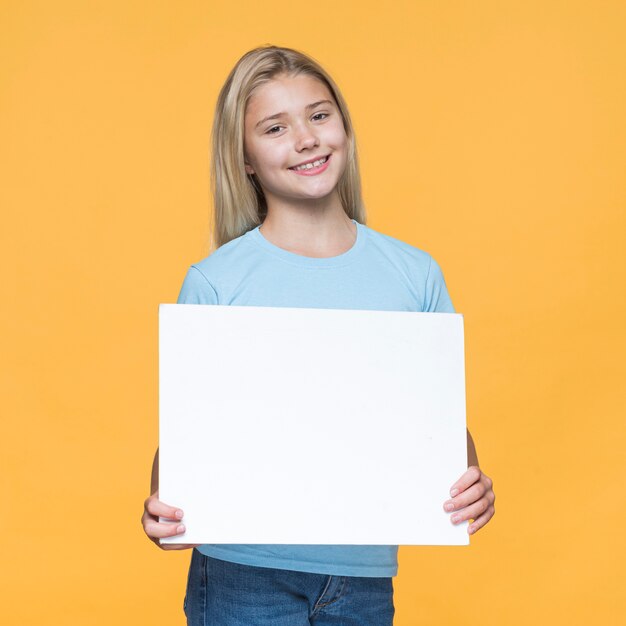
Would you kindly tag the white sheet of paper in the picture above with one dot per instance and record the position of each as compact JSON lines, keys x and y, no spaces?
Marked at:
{"x":311,"y":426}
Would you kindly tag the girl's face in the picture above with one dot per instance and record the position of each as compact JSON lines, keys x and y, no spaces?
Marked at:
{"x":290,"y":121}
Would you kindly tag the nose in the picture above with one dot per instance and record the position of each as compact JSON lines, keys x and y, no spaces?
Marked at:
{"x":306,"y":138}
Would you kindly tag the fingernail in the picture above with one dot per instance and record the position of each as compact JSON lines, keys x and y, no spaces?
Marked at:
{"x":181,"y":528}
{"x":449,"y":506}
{"x":470,"y":530}
{"x":455,"y":518}
{"x":453,"y":492}
{"x":179,"y":514}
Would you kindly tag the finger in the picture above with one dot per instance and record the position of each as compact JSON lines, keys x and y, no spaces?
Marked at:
{"x":163,"y":529}
{"x":155,"y":507}
{"x":177,"y":546}
{"x":470,"y":512}
{"x":481,"y":520}
{"x":465,"y":498}
{"x":471,"y":476}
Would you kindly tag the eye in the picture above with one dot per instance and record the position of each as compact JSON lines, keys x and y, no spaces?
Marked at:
{"x":269,"y":132}
{"x":324,"y":114}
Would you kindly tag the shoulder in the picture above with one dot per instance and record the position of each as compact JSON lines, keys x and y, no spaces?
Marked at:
{"x":402,"y":253}
{"x":227,"y":257}
{"x":207,"y":278}
{"x":418,"y":267}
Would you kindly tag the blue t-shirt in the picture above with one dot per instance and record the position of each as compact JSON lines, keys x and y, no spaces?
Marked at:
{"x":378,"y":273}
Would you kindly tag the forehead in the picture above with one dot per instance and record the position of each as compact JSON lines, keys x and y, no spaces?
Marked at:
{"x":286,"y":93}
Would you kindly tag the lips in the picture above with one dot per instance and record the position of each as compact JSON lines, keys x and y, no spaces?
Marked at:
{"x":307,"y":172}
{"x":317,"y":158}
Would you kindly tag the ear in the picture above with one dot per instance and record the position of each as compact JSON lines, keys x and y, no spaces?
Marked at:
{"x":249,"y":169}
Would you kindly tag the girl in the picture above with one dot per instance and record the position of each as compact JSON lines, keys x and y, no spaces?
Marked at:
{"x":289,"y":230}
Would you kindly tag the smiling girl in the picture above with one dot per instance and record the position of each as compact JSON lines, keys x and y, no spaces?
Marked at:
{"x":289,"y":230}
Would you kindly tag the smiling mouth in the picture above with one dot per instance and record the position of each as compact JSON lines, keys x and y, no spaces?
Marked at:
{"x":311,"y":166}
{"x":314,"y":167}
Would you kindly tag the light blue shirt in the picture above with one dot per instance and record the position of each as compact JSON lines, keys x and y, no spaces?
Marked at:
{"x":378,"y":273}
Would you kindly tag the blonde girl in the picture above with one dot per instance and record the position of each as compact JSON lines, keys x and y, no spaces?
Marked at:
{"x":290,"y":230}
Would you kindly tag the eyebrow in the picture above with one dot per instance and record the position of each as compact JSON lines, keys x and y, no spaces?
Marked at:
{"x":308,"y":107}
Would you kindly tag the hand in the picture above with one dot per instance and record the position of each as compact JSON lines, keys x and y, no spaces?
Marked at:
{"x":472,"y":498}
{"x":153,"y":508}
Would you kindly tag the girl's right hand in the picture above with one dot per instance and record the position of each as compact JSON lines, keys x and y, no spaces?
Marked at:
{"x":153,"y":509}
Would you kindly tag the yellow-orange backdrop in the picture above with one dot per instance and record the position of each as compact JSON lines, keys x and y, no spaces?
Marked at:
{"x":492,"y":135}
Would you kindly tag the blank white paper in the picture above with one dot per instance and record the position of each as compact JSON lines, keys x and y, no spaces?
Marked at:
{"x":311,"y":426}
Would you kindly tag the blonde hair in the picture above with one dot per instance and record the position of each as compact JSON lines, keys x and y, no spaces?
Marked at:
{"x":239,"y":202}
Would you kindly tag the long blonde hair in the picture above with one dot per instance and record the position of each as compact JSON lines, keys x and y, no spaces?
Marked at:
{"x":239,"y":202}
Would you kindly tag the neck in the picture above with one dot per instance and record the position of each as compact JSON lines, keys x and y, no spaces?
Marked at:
{"x":314,"y":230}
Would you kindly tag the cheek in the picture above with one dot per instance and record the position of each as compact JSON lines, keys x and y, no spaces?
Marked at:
{"x":337,"y":137}
{"x":258,"y":158}
{"x":274,"y":157}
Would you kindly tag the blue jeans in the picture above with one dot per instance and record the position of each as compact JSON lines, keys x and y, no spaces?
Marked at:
{"x":221,"y":593}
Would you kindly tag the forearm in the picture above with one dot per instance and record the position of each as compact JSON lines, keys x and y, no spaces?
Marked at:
{"x":154,"y":479}
{"x":472,"y":457}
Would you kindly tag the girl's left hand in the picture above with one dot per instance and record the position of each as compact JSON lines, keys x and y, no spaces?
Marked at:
{"x":472,"y":498}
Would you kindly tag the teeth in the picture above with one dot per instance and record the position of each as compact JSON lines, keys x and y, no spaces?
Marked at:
{"x":309,"y":166}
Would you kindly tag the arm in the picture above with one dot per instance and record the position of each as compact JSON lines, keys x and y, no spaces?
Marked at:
{"x":196,"y":289}
{"x":472,"y":495}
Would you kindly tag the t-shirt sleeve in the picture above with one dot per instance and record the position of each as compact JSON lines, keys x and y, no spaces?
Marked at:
{"x":197,"y":289}
{"x":436,"y":297}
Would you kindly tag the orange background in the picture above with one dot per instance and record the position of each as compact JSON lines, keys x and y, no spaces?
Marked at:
{"x":492,"y":135}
